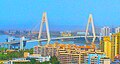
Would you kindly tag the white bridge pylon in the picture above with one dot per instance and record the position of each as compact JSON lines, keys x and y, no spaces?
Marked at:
{"x":44,"y":21}
{"x":90,"y":20}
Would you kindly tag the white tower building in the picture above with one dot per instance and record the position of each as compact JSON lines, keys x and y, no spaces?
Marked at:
{"x":105,"y":31}
{"x":117,"y":29}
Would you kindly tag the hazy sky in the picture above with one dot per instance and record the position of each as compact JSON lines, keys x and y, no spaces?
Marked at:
{"x":62,"y":14}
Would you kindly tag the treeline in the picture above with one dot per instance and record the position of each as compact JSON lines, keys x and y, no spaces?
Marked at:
{"x":10,"y":55}
{"x":7,"y":55}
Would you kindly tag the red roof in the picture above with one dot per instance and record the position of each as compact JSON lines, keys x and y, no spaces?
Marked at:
{"x":117,"y":57}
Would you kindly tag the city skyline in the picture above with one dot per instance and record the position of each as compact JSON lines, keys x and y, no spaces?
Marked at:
{"x":25,"y":16}
{"x":59,"y":32}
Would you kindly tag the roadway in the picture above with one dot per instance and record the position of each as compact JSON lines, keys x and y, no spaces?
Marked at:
{"x":57,"y":38}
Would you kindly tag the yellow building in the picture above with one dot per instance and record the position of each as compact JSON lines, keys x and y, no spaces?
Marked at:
{"x":26,"y":54}
{"x":2,"y":62}
{"x":112,"y":51}
{"x":66,"y":34}
{"x":116,"y":40}
{"x":102,"y":42}
{"x":106,"y":47}
{"x":111,"y":46}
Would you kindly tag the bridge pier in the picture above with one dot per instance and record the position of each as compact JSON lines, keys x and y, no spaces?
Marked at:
{"x":8,"y":46}
{"x":39,"y":43}
{"x":14,"y":47}
{"x":100,"y":38}
{"x":10,"y":39}
{"x":21,"y":43}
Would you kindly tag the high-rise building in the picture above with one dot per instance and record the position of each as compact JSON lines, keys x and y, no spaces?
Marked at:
{"x":116,"y":40}
{"x":105,"y":31}
{"x":106,"y":46}
{"x":111,"y":45}
{"x":117,"y":30}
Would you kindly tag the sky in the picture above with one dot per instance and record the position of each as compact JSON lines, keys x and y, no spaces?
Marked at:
{"x":62,"y":14}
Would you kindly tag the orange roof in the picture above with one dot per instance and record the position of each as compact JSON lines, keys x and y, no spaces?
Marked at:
{"x":88,"y":46}
{"x":84,"y":47}
{"x":10,"y":50}
{"x":56,"y":44}
{"x":68,"y":45}
{"x":62,"y":45}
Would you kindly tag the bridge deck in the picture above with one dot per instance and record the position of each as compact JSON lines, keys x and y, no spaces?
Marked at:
{"x":57,"y":38}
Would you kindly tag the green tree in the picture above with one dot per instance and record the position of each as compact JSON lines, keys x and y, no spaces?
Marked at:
{"x":3,"y":49}
{"x":21,"y":53}
{"x":46,"y":62}
{"x":33,"y":61}
{"x":54,"y":60}
{"x":29,"y":50}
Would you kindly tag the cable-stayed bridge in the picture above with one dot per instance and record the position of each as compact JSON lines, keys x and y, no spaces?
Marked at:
{"x":48,"y":39}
